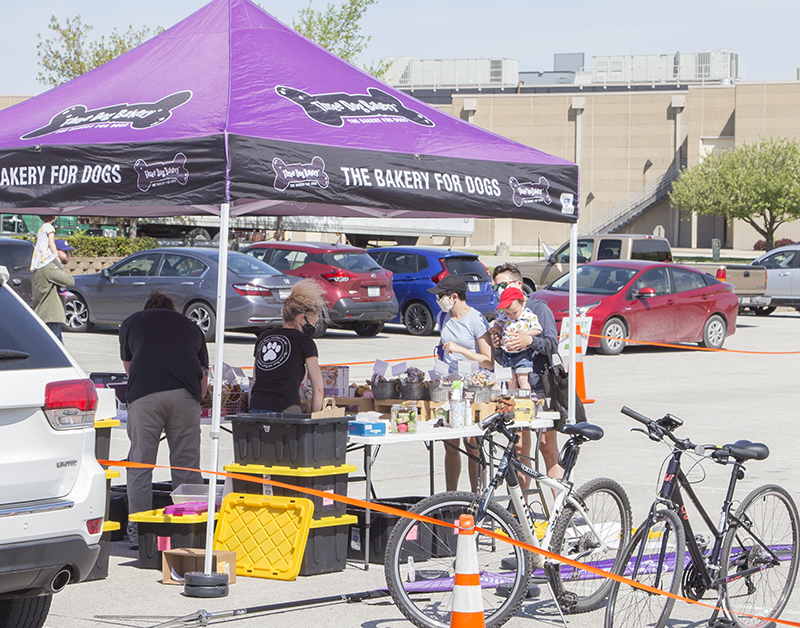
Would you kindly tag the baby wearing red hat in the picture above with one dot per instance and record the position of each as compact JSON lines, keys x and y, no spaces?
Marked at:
{"x":512,"y":318}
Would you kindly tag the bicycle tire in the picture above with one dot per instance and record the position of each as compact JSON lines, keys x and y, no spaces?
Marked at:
{"x":771,"y":515}
{"x":609,"y":510}
{"x":419,"y":562}
{"x":630,"y":607}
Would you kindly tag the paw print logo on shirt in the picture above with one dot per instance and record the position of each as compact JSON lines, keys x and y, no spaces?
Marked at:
{"x":272,"y":352}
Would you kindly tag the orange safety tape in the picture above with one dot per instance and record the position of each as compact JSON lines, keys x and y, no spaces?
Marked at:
{"x":410,"y":515}
{"x":467,"y":579}
{"x":691,"y":348}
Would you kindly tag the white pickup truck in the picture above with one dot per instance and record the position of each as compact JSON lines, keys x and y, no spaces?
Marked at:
{"x":749,"y":282}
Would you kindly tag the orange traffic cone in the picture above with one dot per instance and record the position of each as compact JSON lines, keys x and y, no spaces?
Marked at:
{"x":467,"y":611}
{"x":580,"y":383}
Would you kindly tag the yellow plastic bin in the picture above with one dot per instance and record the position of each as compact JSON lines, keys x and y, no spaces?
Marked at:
{"x":159,"y":532}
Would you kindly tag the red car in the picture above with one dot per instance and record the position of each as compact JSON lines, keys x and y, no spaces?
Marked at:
{"x":358,"y":291}
{"x":647,"y":301}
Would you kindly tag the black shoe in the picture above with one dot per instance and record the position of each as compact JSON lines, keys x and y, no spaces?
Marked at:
{"x":533,"y":590}
{"x":134,"y":545}
{"x":509,"y":563}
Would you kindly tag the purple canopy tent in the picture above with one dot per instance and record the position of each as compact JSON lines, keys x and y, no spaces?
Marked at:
{"x":231,"y":113}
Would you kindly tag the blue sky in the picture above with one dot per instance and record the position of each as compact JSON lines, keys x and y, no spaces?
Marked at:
{"x":763,"y":33}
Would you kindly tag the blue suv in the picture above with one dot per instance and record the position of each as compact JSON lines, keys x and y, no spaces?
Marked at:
{"x":417,"y":268}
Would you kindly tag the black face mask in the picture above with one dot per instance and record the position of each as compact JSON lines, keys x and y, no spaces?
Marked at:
{"x":309,"y":329}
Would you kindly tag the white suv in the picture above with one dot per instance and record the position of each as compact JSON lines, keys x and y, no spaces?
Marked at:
{"x":52,"y":491}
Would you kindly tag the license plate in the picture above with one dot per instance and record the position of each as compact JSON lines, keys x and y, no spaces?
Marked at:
{"x":373,"y":291}
{"x":473,"y":286}
{"x":284,"y":294}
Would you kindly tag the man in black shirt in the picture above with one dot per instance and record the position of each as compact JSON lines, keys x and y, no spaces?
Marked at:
{"x":166,"y":359}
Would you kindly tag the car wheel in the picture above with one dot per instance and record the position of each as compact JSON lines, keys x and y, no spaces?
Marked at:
{"x":762,"y":311}
{"x":77,"y":314}
{"x":615,"y":333}
{"x":26,"y":612}
{"x":528,"y":287}
{"x":714,"y":333}
{"x":204,"y":318}
{"x":418,"y":320}
{"x":368,"y":329}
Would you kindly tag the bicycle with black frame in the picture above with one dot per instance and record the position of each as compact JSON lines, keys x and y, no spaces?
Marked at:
{"x":590,"y":525}
{"x":750,"y":564}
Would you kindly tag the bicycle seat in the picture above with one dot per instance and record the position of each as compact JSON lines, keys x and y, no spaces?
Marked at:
{"x":586,"y":430}
{"x":746,"y":450}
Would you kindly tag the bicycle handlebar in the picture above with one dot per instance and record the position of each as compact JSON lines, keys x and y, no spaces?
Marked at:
{"x":661,"y":428}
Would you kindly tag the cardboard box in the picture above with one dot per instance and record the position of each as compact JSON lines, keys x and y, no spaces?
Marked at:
{"x":188,"y":559}
{"x":336,"y":380}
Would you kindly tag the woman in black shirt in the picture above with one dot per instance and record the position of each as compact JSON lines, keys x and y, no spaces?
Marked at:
{"x":283,"y":356}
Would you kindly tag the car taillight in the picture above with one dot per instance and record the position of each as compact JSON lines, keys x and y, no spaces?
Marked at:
{"x":338,"y":275}
{"x":721,"y":274}
{"x":439,"y":276}
{"x":70,"y":403}
{"x":94,"y":526}
{"x":251,"y":290}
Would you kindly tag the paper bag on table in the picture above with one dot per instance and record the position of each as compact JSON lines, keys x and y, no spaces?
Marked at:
{"x":329,"y":409}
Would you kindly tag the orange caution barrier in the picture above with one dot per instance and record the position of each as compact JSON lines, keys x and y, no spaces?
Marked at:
{"x":580,"y":382}
{"x":467,"y":609}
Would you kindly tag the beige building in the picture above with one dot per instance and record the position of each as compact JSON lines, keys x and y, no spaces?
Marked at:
{"x":629,"y":144}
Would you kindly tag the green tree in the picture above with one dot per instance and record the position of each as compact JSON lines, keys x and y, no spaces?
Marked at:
{"x":70,"y":53}
{"x":757,"y":183}
{"x":338,"y":30}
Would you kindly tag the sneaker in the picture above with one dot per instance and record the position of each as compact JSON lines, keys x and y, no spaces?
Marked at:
{"x":134,"y":544}
{"x":133,"y":535}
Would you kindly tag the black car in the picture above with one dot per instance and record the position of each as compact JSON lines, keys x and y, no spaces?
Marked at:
{"x":16,"y":256}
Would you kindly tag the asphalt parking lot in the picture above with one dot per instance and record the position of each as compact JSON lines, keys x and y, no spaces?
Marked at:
{"x":747,"y":391}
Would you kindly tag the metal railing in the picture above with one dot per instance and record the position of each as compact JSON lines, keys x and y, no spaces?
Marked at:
{"x":635,"y":204}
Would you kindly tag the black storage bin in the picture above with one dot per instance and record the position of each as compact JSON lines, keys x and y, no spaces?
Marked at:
{"x":335,"y":483}
{"x":99,"y":570}
{"x":102,"y":442}
{"x":118,"y":505}
{"x":180,"y":535}
{"x":279,"y":439}
{"x":108,"y":378}
{"x":326,"y":547}
{"x":381,"y":526}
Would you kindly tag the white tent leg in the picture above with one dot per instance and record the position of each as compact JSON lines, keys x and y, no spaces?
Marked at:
{"x":216,"y":412}
{"x":573,"y":317}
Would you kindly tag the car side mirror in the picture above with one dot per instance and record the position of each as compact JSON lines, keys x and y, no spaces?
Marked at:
{"x":105,"y":273}
{"x":645,"y":293}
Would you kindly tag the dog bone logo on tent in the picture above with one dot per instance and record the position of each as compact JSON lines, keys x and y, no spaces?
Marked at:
{"x":530,"y":192}
{"x":160,"y":173}
{"x":331,"y":109}
{"x":139,"y":116}
{"x":295,"y":175}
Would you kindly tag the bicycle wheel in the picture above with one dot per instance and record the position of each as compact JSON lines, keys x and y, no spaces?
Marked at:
{"x":663,"y":552}
{"x":769,"y":515}
{"x":597,"y":540}
{"x":419,"y":563}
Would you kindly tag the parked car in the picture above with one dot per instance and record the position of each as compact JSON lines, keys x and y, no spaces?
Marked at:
{"x":783,"y":278}
{"x":16,"y":256}
{"x":417,"y":268}
{"x":653,"y":302}
{"x":358,"y":291}
{"x":52,"y":491}
{"x":255,"y":290}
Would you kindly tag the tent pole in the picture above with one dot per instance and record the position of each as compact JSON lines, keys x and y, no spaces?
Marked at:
{"x":573,"y":318}
{"x":216,"y":412}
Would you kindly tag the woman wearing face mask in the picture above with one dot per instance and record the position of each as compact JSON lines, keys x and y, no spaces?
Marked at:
{"x":464,"y":336}
{"x":283,"y":356}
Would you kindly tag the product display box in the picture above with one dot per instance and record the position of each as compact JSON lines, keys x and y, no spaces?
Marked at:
{"x":336,"y":380}
{"x":177,"y":562}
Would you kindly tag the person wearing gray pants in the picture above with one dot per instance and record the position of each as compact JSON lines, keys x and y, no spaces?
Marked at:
{"x":165,"y":356}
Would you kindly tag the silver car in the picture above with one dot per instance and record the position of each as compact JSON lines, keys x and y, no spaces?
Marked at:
{"x":783,"y":278}
{"x":255,"y":290}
